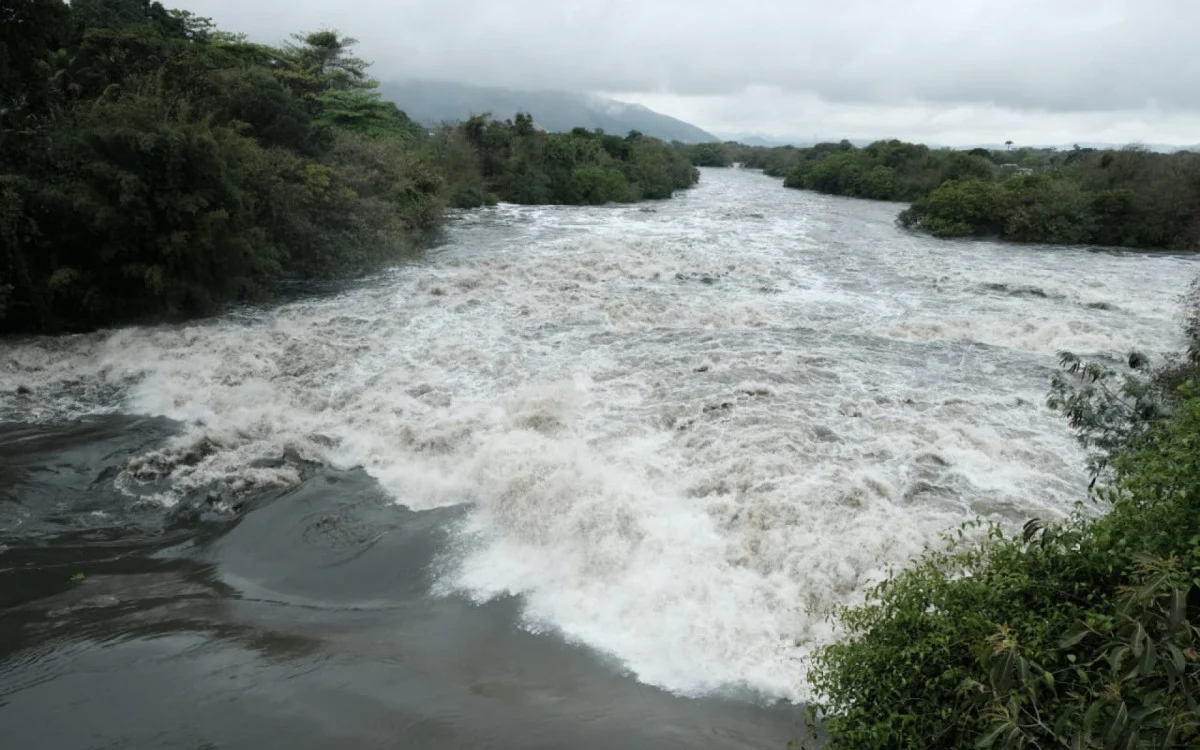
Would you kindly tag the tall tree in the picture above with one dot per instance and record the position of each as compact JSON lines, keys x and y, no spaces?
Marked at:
{"x":28,"y":30}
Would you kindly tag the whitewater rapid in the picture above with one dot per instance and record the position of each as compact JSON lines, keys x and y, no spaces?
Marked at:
{"x":683,"y":431}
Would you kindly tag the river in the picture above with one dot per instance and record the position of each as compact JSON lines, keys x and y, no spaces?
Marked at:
{"x":585,"y":477}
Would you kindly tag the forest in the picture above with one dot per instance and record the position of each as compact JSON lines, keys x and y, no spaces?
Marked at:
{"x":153,"y":166}
{"x":1129,"y":197}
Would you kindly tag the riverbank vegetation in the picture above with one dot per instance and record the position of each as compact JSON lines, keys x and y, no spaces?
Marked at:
{"x":514,"y":161}
{"x":1080,"y":634}
{"x":153,"y":165}
{"x":775,"y":162}
{"x":1131,"y":197}
{"x":1128,"y":197}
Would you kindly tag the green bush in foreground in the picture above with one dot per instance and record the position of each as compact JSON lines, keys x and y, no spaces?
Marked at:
{"x":1077,"y":635}
{"x":1082,"y":634}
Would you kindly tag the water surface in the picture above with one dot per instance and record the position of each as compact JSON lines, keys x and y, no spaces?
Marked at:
{"x":586,"y":477}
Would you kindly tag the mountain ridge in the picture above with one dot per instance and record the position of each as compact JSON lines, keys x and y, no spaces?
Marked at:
{"x":434,"y":102}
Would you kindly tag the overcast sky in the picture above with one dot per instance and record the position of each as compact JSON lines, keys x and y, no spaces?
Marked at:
{"x":952,"y":72}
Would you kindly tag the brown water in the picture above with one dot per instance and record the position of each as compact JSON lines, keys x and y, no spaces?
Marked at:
{"x":581,"y":477}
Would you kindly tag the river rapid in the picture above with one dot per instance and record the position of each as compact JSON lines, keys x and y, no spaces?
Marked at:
{"x":587,"y":477}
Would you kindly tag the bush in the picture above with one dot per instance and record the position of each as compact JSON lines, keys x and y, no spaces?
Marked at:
{"x":710,"y":155}
{"x":884,"y":170}
{"x":958,"y":209}
{"x":880,"y":183}
{"x":597,"y":185}
{"x":1047,"y":208}
{"x":779,"y":161}
{"x":1083,"y":634}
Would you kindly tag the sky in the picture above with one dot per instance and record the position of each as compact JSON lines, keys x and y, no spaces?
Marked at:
{"x":951,"y":72}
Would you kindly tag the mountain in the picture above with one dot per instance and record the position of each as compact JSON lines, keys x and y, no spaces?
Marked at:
{"x":768,"y":140}
{"x":431,"y":102}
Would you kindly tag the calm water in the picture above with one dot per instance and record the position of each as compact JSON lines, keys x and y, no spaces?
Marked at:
{"x":579,"y":478}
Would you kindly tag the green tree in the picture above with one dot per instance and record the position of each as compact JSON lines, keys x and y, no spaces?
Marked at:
{"x":880,"y":183}
{"x":118,"y":14}
{"x":711,"y":155}
{"x":29,"y":30}
{"x":327,"y":58}
{"x":958,"y":209}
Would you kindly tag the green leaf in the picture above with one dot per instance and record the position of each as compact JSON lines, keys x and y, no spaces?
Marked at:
{"x":1091,"y":715}
{"x":1119,"y":721}
{"x":992,"y":735}
{"x":1074,"y":638}
{"x":1148,"y":659}
{"x":1178,"y":608}
{"x":1178,"y":661}
{"x":1116,"y":656}
{"x":1138,"y":641}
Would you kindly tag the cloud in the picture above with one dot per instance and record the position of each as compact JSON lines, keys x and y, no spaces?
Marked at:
{"x":1060,"y":60}
{"x":774,"y":113}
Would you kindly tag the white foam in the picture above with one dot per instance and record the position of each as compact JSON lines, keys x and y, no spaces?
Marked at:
{"x":684,"y":435}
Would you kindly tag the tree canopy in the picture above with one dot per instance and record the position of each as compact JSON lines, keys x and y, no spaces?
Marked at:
{"x":152,"y":164}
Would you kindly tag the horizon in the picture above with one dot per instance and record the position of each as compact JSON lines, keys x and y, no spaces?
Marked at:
{"x":798,"y":140}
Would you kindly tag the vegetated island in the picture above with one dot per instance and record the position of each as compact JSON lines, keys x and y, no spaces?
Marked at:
{"x":1129,"y":197}
{"x":152,"y":165}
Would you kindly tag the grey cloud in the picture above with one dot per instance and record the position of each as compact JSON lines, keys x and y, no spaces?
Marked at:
{"x":1064,"y":55}
{"x":772,"y":112}
{"x":1054,"y":57}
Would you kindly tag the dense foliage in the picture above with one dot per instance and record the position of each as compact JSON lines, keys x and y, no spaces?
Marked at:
{"x":521,"y":164}
{"x":1129,"y":197}
{"x":884,"y":170}
{"x":151,"y":164}
{"x":1083,"y":634}
{"x":774,"y":161}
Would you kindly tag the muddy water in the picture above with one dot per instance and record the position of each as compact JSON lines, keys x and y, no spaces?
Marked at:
{"x":581,"y":477}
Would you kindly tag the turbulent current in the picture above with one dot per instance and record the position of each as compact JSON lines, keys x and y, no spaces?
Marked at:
{"x":678,"y":433}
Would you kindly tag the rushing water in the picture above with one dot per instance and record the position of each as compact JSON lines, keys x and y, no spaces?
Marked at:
{"x":671,"y":436}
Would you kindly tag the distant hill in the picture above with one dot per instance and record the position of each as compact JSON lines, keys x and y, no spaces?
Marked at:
{"x":754,"y":139}
{"x":1166,"y":148}
{"x":431,"y":102}
{"x":759,"y":139}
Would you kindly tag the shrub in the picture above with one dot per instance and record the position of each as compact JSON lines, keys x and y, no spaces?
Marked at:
{"x":1046,"y":208}
{"x":1082,"y":634}
{"x":962,"y":208}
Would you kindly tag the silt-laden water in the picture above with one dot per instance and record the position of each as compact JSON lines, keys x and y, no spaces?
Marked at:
{"x":587,"y":477}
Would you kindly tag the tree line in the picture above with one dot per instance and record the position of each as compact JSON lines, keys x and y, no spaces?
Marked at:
{"x":1128,"y":197}
{"x":154,"y":165}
